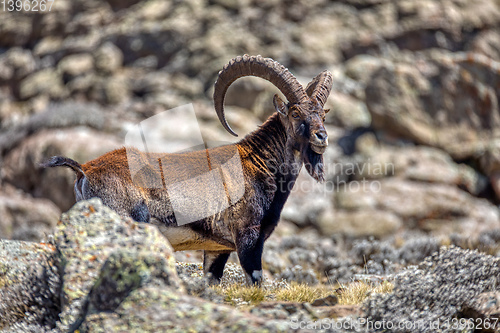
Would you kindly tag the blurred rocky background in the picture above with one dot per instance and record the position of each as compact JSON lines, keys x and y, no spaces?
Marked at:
{"x":414,"y":152}
{"x":414,"y":127}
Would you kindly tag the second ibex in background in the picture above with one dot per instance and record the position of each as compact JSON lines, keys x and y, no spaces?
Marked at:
{"x":271,"y":158}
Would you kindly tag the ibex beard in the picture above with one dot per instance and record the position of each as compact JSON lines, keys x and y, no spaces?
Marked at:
{"x":271,"y":155}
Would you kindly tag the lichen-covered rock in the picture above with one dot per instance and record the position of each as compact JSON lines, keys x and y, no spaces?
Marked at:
{"x":103,"y":273}
{"x":94,"y":242}
{"x":30,"y":283}
{"x":426,"y":298}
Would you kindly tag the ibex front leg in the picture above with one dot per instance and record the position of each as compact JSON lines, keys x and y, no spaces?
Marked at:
{"x":249,"y":244}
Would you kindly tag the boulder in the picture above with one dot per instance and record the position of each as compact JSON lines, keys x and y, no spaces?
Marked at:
{"x":418,"y":163}
{"x":44,"y":82}
{"x":358,"y":224}
{"x":75,"y":65}
{"x":437,"y":208}
{"x":485,"y":309}
{"x":347,"y":112}
{"x":441,"y":99}
{"x":21,"y":165}
{"x":108,"y":58}
{"x":24,"y":217}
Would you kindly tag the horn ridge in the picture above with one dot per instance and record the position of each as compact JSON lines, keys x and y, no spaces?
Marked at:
{"x":259,"y":66}
{"x":320,"y":87}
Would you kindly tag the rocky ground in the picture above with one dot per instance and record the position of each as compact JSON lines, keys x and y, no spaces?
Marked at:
{"x":413,"y":162}
{"x":99,"y":272}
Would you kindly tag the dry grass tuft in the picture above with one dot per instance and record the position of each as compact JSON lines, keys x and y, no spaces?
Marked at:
{"x":352,"y":294}
{"x":296,"y":292}
{"x":355,"y":293}
{"x":236,"y":294}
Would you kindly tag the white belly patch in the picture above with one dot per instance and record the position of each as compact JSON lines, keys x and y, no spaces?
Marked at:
{"x":183,"y":238}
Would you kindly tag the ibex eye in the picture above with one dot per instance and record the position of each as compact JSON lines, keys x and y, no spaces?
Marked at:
{"x":295,"y":115}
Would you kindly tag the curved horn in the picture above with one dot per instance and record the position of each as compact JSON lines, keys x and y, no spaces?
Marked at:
{"x":320,"y":87}
{"x":265,"y":68}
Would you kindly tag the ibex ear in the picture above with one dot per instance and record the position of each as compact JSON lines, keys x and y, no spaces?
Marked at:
{"x":280,"y":106}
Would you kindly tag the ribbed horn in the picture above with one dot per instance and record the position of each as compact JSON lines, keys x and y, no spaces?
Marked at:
{"x":265,"y":68}
{"x":320,"y":87}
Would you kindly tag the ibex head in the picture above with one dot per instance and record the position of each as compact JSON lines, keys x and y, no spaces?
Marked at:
{"x":303,"y":116}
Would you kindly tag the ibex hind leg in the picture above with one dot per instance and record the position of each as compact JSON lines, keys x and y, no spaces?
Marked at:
{"x":140,"y":212}
{"x":213,"y":265}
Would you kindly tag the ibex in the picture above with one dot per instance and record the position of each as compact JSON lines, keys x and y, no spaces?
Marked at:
{"x":271,"y":158}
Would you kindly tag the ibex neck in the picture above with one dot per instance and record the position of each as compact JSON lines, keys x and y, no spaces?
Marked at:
{"x":267,"y":147}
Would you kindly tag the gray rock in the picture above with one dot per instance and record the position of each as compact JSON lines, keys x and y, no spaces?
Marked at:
{"x":16,"y":64}
{"x":103,"y":273}
{"x":362,"y":67}
{"x":94,"y":241}
{"x":300,"y":275}
{"x":108,"y":58}
{"x":76,"y":64}
{"x":418,"y":163}
{"x":485,"y":309}
{"x":416,"y":249}
{"x":437,"y":208}
{"x":110,"y":90}
{"x":347,"y":112}
{"x":357,"y":224}
{"x":46,"y":81}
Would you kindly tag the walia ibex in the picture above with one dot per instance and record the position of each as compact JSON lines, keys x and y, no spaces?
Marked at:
{"x":271,"y":158}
